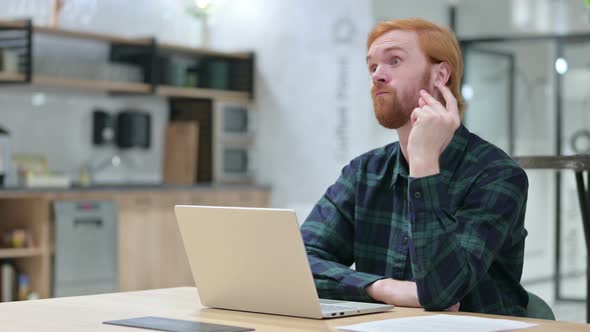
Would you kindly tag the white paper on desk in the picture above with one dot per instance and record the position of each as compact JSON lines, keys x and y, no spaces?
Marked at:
{"x":437,"y":323}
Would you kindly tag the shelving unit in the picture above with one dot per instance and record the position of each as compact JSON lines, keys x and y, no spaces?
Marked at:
{"x":150,"y":251}
{"x":26,"y":213}
{"x":93,"y":85}
{"x":20,"y":252}
{"x":154,"y":58}
{"x":175,"y":91}
{"x":9,"y":77}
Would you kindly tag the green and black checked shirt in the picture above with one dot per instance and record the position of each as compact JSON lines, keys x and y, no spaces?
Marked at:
{"x":458,"y":234}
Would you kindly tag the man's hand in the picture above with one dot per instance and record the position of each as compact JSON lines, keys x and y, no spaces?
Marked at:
{"x":454,"y":307}
{"x":396,"y":292}
{"x":433,"y":127}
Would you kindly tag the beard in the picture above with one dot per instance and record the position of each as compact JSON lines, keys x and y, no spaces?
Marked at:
{"x":393,"y":110}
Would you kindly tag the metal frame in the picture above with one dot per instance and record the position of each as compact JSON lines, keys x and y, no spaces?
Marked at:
{"x":29,"y":52}
{"x":584,"y":197}
{"x":511,"y":85}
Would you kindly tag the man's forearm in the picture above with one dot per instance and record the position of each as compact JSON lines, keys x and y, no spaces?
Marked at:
{"x":396,"y":292}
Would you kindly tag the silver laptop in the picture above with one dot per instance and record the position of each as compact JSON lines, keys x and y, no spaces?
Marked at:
{"x":253,"y":259}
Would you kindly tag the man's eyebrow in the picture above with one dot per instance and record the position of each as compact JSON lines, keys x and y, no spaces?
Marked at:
{"x":387,"y":50}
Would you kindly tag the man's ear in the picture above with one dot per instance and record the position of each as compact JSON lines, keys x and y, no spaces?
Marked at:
{"x":442,"y":73}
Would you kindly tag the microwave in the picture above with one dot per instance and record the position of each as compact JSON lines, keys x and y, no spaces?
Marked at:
{"x":233,"y":119}
{"x":233,"y":161}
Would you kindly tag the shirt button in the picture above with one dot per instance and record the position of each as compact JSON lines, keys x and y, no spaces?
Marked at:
{"x":405,"y":240}
{"x":417,"y":194}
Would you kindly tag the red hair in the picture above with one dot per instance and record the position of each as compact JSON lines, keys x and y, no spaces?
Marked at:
{"x":437,"y":43}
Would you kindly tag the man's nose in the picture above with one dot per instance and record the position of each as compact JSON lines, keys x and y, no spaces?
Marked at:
{"x":379,"y":75}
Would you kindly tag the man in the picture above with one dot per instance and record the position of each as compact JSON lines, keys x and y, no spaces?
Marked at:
{"x":436,"y":219}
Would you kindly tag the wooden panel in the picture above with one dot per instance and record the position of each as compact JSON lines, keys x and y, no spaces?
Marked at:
{"x":174,"y":270}
{"x":201,"y":111}
{"x":93,"y":85}
{"x":88,"y":35}
{"x":203,"y":51}
{"x":13,"y":24}
{"x":139,"y":243}
{"x":181,"y":152}
{"x":31,"y":214}
{"x":9,"y":76}
{"x":86,"y":313}
{"x":151,"y":252}
{"x":20,"y":252}
{"x":36,"y":269}
{"x":175,"y":91}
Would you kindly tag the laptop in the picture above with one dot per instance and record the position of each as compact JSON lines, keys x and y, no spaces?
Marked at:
{"x":253,"y":259}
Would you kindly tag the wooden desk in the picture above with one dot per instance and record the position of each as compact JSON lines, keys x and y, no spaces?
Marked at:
{"x":86,"y":313}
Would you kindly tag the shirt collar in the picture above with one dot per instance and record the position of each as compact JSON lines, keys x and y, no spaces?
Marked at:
{"x":449,"y":160}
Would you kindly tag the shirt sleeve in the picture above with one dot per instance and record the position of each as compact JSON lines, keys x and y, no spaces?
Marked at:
{"x":328,"y":234}
{"x":451,"y":252}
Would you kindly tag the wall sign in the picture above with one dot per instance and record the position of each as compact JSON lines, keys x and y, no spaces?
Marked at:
{"x":343,"y":32}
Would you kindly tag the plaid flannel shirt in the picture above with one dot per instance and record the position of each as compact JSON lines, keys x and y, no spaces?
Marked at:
{"x":458,"y":234}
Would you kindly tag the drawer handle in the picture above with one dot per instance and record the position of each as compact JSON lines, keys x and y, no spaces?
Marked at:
{"x":88,"y":222}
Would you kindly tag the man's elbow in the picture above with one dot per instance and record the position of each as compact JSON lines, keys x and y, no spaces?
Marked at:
{"x":432,"y":299}
{"x":436,"y":303}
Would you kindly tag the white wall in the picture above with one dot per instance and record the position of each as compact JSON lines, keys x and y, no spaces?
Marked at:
{"x":312,"y":89}
{"x":61,"y":126}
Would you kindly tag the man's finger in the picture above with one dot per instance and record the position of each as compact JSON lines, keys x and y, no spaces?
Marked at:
{"x":415,"y":114}
{"x":451,"y":101}
{"x":430,"y":100}
{"x":421,"y":102}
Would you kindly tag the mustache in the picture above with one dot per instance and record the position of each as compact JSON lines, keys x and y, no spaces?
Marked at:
{"x":378,"y":89}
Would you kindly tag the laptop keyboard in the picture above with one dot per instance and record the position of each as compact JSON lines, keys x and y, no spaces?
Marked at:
{"x":332,"y":307}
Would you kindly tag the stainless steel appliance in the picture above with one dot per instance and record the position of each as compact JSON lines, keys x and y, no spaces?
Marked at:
{"x":85,"y":259}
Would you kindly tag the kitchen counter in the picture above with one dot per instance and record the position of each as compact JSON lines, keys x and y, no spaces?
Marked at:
{"x":150,"y":250}
{"x":130,"y":187}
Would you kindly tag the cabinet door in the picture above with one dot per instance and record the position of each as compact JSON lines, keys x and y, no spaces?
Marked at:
{"x":151,"y":251}
{"x":139,"y":242}
{"x":174,"y":269}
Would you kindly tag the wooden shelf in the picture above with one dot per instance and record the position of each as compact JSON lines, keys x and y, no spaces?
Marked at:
{"x":76,"y":83}
{"x":86,"y":35}
{"x":203,"y":51}
{"x":6,"y":77}
{"x":175,"y":91}
{"x":128,"y":87}
{"x":20,"y":252}
{"x":102,"y":37}
{"x":13,"y":24}
{"x":92,"y":85}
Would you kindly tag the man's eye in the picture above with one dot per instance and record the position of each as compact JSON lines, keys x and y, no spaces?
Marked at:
{"x":395,"y":61}
{"x":372,"y":68}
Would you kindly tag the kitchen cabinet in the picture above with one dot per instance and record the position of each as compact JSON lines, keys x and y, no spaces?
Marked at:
{"x":150,"y":250}
{"x":162,"y":69}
